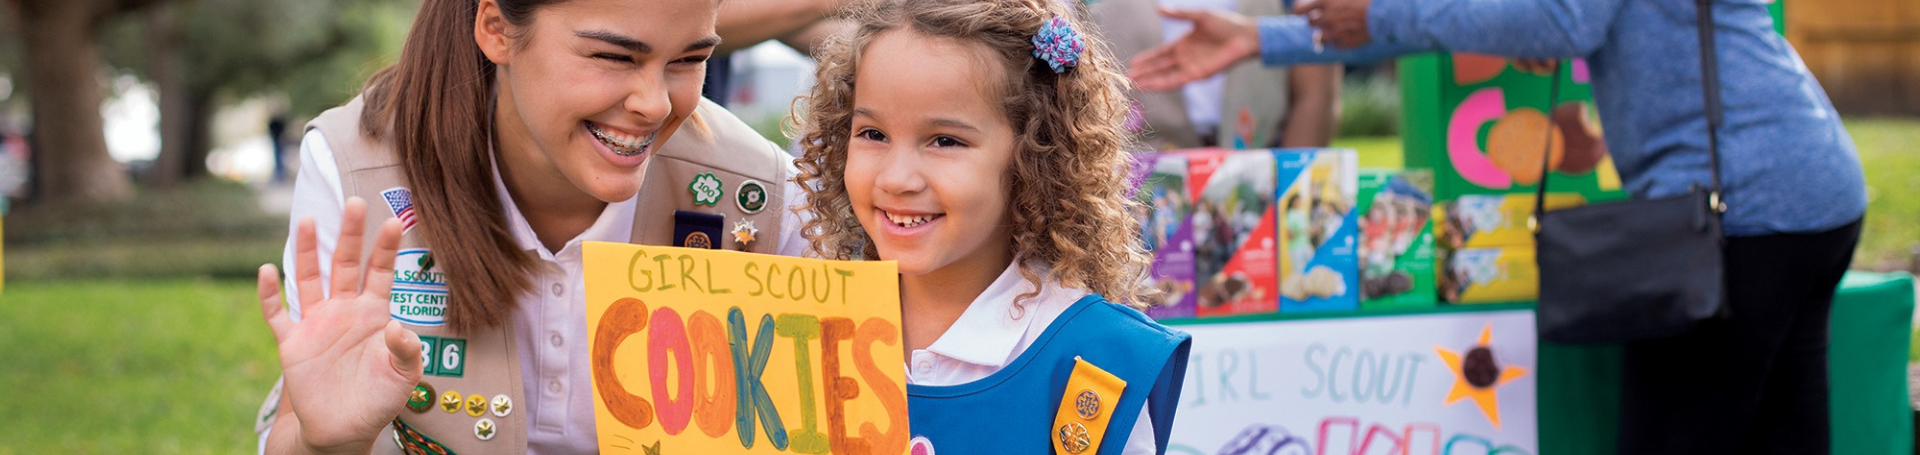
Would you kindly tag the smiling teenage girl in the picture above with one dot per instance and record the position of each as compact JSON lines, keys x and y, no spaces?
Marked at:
{"x":508,"y":133}
{"x":979,"y":144}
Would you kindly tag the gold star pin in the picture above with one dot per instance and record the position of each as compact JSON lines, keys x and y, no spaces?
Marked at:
{"x":421,"y":399}
{"x":476,"y":405}
{"x":502,"y":405}
{"x":483,"y":429}
{"x":450,"y":401}
{"x":744,"y":233}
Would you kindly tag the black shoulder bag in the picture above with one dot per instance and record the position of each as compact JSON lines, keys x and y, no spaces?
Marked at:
{"x":1638,"y":269}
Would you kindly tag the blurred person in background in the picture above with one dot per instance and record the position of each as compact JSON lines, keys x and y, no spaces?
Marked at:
{"x":1794,"y":191}
{"x":798,"y":24}
{"x":1246,"y":106}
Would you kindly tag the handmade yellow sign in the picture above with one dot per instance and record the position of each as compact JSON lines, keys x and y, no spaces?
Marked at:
{"x":707,"y":351}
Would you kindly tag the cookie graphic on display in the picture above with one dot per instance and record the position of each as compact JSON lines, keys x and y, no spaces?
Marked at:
{"x":1479,"y":367}
{"x":1294,"y":288}
{"x":1171,"y":291}
{"x":1516,"y":141}
{"x":1323,"y":282}
{"x":1585,"y":146}
{"x":1395,"y":283}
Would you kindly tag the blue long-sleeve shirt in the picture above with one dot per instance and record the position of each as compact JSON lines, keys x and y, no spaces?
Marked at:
{"x":1787,"y":164}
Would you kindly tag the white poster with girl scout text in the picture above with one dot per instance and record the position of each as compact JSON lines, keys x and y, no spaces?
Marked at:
{"x":1456,"y":383}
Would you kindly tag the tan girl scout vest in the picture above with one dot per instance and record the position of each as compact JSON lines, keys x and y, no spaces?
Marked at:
{"x":467,"y":397}
{"x":1252,"y":107}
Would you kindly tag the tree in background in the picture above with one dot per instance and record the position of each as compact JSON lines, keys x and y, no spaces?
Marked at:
{"x":62,"y":68}
{"x":201,"y":53}
{"x":198,"y":54}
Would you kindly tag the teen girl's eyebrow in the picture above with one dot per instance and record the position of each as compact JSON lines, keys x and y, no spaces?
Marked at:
{"x":641,"y":47}
{"x":704,"y":43}
{"x":616,"y":39}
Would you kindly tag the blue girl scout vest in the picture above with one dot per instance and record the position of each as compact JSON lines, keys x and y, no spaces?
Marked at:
{"x":1013,"y":410}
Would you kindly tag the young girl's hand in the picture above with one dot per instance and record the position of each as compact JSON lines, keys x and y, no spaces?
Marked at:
{"x":349,"y":367}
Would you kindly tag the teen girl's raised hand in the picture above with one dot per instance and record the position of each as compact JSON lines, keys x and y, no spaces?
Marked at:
{"x":348,"y":366}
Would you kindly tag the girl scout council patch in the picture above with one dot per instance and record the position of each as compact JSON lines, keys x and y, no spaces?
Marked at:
{"x":419,"y":291}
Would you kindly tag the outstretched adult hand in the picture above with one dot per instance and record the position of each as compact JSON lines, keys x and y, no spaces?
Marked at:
{"x":349,"y":367}
{"x":1219,"y":39}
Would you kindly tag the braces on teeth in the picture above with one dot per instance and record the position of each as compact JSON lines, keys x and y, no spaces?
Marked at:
{"x":620,"y":147}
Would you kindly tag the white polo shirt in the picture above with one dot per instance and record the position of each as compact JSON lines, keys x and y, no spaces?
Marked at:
{"x":990,"y":334}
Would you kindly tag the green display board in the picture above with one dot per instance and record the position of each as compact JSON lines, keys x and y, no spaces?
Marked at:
{"x":1453,"y":103}
{"x":1480,"y":123}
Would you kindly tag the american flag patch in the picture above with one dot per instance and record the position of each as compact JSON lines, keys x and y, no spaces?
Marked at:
{"x":401,"y":201}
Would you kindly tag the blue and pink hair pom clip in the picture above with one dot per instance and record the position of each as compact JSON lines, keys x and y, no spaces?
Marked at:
{"x":1058,"y":44}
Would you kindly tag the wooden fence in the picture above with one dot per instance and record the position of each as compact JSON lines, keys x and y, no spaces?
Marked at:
{"x":1865,"y":52}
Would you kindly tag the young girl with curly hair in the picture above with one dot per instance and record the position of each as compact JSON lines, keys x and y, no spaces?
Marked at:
{"x":980,"y":145}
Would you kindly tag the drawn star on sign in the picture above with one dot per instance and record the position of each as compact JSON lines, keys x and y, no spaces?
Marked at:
{"x":653,"y":449}
{"x":1478,"y":376}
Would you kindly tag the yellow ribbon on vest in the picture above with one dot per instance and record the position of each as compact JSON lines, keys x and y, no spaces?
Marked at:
{"x":1085,"y":408}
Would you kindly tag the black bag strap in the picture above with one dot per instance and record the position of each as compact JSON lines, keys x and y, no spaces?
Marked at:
{"x":1709,"y":85}
{"x":1546,"y":157}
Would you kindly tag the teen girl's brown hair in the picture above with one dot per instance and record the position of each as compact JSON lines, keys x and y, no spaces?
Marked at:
{"x":435,"y":106}
{"x":1069,"y":196}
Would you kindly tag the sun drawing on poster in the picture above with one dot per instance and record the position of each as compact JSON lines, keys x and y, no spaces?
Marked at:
{"x":1478,"y":376}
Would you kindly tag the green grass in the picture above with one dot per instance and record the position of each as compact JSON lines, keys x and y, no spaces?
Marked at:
{"x":1913,"y":348}
{"x":1369,"y":107}
{"x":210,"y":228}
{"x":176,"y":366}
{"x":1375,"y":152}
{"x":1890,"y":152}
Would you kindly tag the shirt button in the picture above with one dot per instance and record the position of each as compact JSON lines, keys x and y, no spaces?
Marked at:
{"x":553,"y":387}
{"x":555,"y":339}
{"x":923,"y":368}
{"x":557,"y":289}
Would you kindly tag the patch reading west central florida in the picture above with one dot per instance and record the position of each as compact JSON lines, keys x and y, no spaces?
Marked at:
{"x":419,"y":290}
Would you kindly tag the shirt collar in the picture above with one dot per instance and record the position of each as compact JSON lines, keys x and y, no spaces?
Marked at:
{"x":987,"y":332}
{"x":615,"y":223}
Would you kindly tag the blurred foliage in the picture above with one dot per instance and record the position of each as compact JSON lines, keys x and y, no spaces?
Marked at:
{"x":9,"y":59}
{"x":1370,"y":106}
{"x":769,"y":127}
{"x":207,"y":228}
{"x":315,"y":53}
{"x":375,"y":32}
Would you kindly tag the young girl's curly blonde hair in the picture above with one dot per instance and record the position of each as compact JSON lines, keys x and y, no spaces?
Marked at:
{"x":1069,"y":196}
